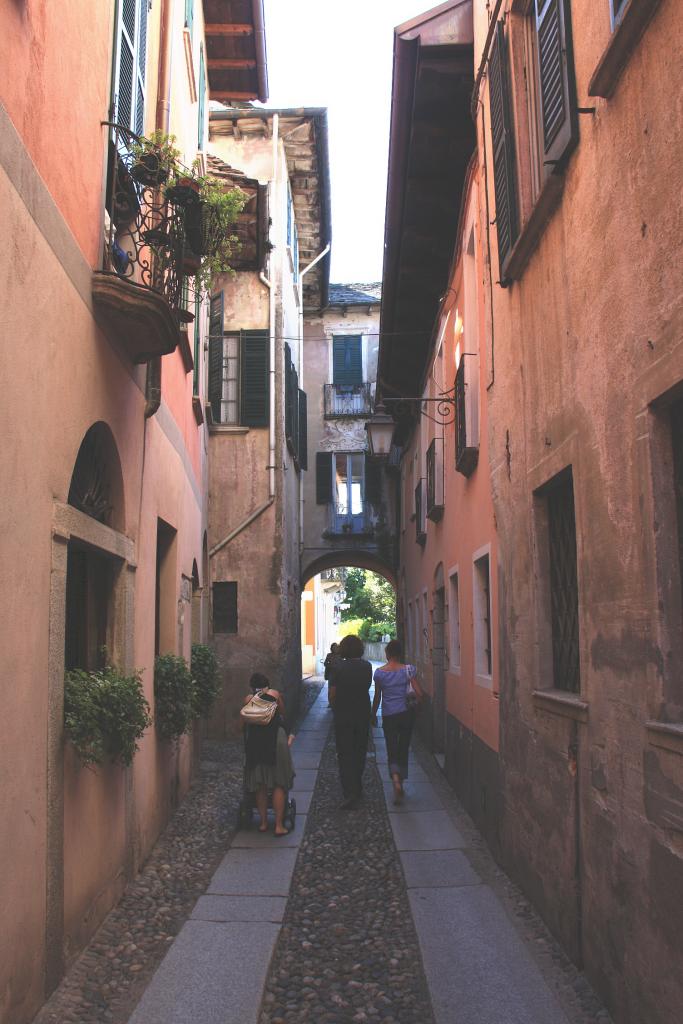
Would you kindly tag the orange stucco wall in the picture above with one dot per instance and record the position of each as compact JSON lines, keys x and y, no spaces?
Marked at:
{"x":467,"y":525}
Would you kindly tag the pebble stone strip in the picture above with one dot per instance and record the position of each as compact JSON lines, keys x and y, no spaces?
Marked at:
{"x":347,"y":951}
{"x":106,"y":981}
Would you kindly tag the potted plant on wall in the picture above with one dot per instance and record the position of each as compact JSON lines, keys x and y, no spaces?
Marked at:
{"x":154,"y":158}
{"x":209,"y":243}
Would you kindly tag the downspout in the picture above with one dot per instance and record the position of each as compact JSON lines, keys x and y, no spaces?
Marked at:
{"x":301,"y":370}
{"x":161,"y":123}
{"x":268,"y":282}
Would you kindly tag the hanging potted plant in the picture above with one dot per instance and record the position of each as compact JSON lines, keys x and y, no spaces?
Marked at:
{"x":154,"y":158}
{"x":208,"y":230}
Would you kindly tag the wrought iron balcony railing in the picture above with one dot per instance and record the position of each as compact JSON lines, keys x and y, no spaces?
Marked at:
{"x":347,"y":400}
{"x":145,"y":234}
{"x":345,"y":521}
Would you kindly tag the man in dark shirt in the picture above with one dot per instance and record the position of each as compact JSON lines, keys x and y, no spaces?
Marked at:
{"x":349,"y":685}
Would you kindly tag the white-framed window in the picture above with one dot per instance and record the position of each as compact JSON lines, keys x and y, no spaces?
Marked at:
{"x":417,"y":648}
{"x":617,"y":8}
{"x":409,"y":630}
{"x":481,"y":595}
{"x":454,"y":620}
{"x":230,"y":392}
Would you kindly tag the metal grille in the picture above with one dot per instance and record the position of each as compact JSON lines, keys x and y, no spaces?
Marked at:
{"x":341,"y":401}
{"x":564,"y":590}
{"x":128,"y":15}
{"x":124,"y":104}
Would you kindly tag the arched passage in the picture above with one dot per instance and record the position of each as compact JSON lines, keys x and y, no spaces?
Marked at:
{"x":323,"y":600}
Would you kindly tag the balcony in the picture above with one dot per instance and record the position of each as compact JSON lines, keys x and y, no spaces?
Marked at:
{"x":346,"y":522}
{"x":341,"y":400}
{"x":137,"y":291}
{"x":420,"y":519}
{"x":435,"y":482}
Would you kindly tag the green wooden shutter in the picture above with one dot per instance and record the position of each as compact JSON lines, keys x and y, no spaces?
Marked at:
{"x":287,"y":383}
{"x":323,"y":478}
{"x":254,"y":382}
{"x":202,"y":100}
{"x":557,"y":86}
{"x":373,"y":481}
{"x":347,"y":360}
{"x":504,"y":173}
{"x":215,"y":384}
{"x":130,"y":64}
{"x":303,"y":430}
{"x":189,"y":15}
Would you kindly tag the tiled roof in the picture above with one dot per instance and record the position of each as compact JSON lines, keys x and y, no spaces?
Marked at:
{"x":355,"y":294}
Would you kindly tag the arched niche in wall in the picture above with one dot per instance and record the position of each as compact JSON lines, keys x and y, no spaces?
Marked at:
{"x":96,"y":486}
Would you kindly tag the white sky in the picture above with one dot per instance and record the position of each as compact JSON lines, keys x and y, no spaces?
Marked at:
{"x":322,"y":53}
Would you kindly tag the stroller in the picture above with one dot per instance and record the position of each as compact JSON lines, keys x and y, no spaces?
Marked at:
{"x":247,"y":805}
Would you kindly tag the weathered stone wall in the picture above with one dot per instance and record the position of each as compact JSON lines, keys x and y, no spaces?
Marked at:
{"x":585,"y":341}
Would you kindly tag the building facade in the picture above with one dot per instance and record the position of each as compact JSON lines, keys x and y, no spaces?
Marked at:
{"x":258,"y":384}
{"x":109,"y":484}
{"x":348,"y":497}
{"x":561,"y":165}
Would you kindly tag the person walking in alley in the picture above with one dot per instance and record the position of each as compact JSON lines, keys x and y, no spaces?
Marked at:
{"x":397,"y":689}
{"x":330,"y":661}
{"x":349,"y":695}
{"x":269,"y":761}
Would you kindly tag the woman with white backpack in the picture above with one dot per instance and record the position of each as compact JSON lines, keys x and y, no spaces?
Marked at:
{"x":397,"y":689}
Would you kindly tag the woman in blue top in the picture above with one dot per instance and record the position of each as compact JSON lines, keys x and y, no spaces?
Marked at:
{"x":396,"y":688}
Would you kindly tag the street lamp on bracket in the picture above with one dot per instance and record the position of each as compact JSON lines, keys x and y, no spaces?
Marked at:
{"x":380,"y":428}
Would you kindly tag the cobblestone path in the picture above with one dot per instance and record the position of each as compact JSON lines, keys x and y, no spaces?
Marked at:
{"x":108,"y":978}
{"x":347,"y":950}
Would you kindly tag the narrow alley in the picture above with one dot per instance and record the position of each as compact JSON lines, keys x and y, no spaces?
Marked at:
{"x":385,"y":914}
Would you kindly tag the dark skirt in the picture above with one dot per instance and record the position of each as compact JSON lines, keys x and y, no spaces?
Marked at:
{"x":279,"y":773}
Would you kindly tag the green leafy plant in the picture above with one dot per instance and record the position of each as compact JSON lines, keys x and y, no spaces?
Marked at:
{"x":155,"y":157}
{"x":373,"y":632}
{"x":207,"y":684}
{"x":105,"y":714}
{"x":220,"y":208}
{"x":173,"y":696}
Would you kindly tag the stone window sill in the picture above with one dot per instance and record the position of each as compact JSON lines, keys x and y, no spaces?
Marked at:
{"x":666,"y":735}
{"x":560,"y":702}
{"x":624,"y":40}
{"x":225,"y":428}
{"x":530,"y":235}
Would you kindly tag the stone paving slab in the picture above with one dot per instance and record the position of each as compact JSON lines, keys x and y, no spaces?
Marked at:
{"x":478,"y":969}
{"x":239,"y":908}
{"x":305,"y":781}
{"x":303,"y":802}
{"x":437,"y":869}
{"x":252,"y":839}
{"x":425,"y":830}
{"x":305,"y":761}
{"x":192,"y":985}
{"x":267,"y":871}
{"x":418,"y":796}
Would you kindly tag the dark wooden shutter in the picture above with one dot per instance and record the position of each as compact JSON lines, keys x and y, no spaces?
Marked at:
{"x":323,"y":478}
{"x":303,"y":430}
{"x":557,"y":87}
{"x":215,"y":383}
{"x":504,"y":172}
{"x":254,"y":384}
{"x":224,"y":607}
{"x":373,"y":481}
{"x":201,"y":119}
{"x":347,"y":361}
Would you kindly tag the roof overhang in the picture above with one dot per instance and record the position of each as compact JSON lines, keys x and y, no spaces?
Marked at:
{"x":303,"y":131}
{"x":432,"y":137}
{"x":236,"y":60}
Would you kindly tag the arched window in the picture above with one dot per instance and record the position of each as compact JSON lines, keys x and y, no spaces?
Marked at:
{"x":96,"y":490}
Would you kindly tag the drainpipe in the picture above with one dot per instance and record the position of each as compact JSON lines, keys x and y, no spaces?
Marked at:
{"x":301,"y":370}
{"x":161,"y":123}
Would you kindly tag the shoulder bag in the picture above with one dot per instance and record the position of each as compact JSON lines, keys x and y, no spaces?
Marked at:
{"x":259,"y":710}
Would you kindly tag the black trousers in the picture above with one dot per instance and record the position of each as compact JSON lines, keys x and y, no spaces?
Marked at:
{"x":351,"y":736}
{"x":397,"y":732}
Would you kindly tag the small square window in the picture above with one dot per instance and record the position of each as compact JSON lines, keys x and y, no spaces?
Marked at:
{"x":225,"y":607}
